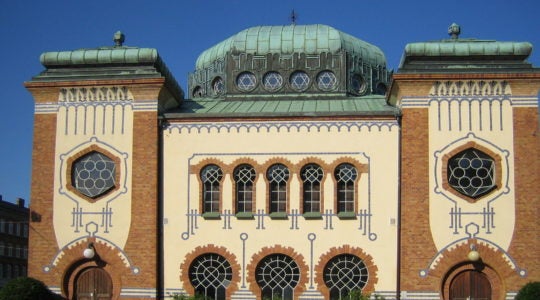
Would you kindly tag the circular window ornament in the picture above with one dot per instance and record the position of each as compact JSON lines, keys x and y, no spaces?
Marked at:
{"x":326,"y":80}
{"x":272,"y":81}
{"x":381,"y":89}
{"x":345,"y":273}
{"x":358,"y":84}
{"x":471,"y":173}
{"x":299,"y":81}
{"x":218,"y":86}
{"x":93,"y":174}
{"x":246,"y":81}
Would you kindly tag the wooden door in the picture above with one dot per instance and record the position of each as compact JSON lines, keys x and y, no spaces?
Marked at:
{"x":470,"y":285}
{"x":93,"y":284}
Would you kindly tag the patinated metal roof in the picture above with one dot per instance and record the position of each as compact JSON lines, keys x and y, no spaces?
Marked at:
{"x":100,"y":56}
{"x":468,"y":47}
{"x":368,"y":105}
{"x":288,"y":39}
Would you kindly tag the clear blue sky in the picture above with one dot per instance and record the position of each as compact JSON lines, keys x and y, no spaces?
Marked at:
{"x":182,"y":29}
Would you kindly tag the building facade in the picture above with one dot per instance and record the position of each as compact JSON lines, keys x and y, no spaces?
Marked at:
{"x":13,"y":240}
{"x":297,"y":167}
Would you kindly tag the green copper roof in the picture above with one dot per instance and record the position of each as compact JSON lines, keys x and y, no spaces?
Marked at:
{"x":367,"y":105}
{"x":100,"y":56}
{"x":288,"y":39}
{"x":468,"y":47}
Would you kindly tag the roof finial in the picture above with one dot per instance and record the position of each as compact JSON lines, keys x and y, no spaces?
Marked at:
{"x":454,"y":30}
{"x":118,"y":39}
{"x":293,"y":17}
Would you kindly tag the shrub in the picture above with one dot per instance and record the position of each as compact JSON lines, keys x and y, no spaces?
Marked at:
{"x":530,"y":291}
{"x":25,"y":288}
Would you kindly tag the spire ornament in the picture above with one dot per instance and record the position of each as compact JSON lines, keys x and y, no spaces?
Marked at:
{"x":119,"y":39}
{"x":454,"y":30}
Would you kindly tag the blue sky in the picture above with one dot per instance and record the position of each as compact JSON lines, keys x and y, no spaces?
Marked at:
{"x":180,"y":30}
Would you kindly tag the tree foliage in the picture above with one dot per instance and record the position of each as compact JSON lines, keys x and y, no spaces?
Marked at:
{"x":530,"y":291}
{"x":26,"y":288}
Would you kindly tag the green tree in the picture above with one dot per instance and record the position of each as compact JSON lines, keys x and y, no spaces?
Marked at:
{"x":26,"y":288}
{"x":530,"y":291}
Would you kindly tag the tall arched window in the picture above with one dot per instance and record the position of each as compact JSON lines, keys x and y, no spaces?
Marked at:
{"x":345,"y":175}
{"x":277,"y":176}
{"x":244,"y":176}
{"x":211,"y":176}
{"x":312,"y":176}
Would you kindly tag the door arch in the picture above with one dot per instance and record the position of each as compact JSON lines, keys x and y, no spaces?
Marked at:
{"x":470,"y":285}
{"x":93,"y":284}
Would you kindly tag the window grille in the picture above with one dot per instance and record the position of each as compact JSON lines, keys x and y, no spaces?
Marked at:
{"x":311,"y":175}
{"x":471,"y":173}
{"x":277,"y":275}
{"x":345,"y":175}
{"x":210,"y":274}
{"x":211,"y":176}
{"x":278,"y":175}
{"x":343,"y":274}
{"x":244,"y":175}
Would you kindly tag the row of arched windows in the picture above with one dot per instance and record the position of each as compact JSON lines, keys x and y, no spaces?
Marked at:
{"x":277,"y":178}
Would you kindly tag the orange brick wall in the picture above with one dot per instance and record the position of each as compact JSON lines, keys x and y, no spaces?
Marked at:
{"x":525,"y":245}
{"x":417,"y":247}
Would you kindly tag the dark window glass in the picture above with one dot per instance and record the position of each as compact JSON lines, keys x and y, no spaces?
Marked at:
{"x":93,"y":174}
{"x":211,"y":177}
{"x":210,"y":274}
{"x":345,"y":175}
{"x":244,"y":175}
{"x":277,"y":176}
{"x":344,"y":274}
{"x":472,"y":173}
{"x":277,"y":275}
{"x":311,"y":175}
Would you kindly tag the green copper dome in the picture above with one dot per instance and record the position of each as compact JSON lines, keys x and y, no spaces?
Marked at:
{"x":289,"y":39}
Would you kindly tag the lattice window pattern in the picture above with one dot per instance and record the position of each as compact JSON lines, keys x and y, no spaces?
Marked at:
{"x":326,"y":80}
{"x":218,"y":85}
{"x":246,"y":81}
{"x":272,"y":81}
{"x":244,"y":175}
{"x":211,"y":176}
{"x":343,"y":274}
{"x":278,"y":175}
{"x":312,"y":175}
{"x":93,"y":175}
{"x":471,"y":173}
{"x":299,"y":80}
{"x":210,"y":274}
{"x":345,"y":175}
{"x":277,"y":275}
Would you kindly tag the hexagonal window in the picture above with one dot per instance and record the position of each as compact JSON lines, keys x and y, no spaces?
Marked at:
{"x":472,"y":173}
{"x":93,"y":174}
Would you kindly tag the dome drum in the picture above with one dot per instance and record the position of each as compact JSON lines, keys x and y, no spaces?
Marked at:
{"x":291,"y":61}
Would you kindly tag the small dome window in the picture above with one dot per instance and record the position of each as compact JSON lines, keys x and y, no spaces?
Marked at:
{"x":197,"y":92}
{"x":299,"y":81}
{"x":272,"y":81}
{"x":246,"y":81}
{"x":326,"y":80}
{"x":218,"y":85}
{"x":359,"y":85}
{"x":381,"y":89}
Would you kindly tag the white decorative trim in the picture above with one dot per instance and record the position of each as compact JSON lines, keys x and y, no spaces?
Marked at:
{"x":470,"y":88}
{"x":95,"y":94}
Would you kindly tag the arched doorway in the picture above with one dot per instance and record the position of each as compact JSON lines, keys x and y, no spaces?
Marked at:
{"x":470,"y":285}
{"x":93,"y":284}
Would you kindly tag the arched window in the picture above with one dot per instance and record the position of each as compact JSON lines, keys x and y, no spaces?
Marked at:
{"x":278,"y":176}
{"x":244,"y":175}
{"x":312,"y":176}
{"x":277,"y":275}
{"x":344,"y":274}
{"x":345,"y":175}
{"x":210,"y":274}
{"x":211,"y":176}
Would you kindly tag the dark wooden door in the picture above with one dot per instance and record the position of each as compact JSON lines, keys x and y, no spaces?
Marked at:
{"x":470,"y":285}
{"x":94,"y":284}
